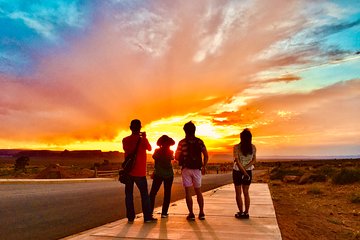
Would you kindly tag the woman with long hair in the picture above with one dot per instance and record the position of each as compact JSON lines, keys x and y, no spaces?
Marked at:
{"x":244,"y":159}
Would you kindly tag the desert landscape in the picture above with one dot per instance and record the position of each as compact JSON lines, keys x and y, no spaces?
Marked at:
{"x":317,"y":199}
{"x":75,"y":74}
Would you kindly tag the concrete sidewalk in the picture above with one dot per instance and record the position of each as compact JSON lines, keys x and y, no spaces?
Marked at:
{"x":220,"y":223}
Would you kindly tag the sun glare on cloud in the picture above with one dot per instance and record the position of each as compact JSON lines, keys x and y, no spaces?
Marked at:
{"x":285,"y":114}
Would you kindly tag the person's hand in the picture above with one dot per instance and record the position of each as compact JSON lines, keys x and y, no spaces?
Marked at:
{"x":246,"y":177}
{"x":203,"y":170}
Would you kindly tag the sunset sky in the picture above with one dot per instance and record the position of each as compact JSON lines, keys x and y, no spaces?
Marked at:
{"x":73,"y":74}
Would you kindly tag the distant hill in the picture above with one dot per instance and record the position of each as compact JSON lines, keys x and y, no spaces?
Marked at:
{"x":67,"y":153}
{"x":9,"y":152}
{"x":119,"y":156}
{"x":302,"y":157}
{"x":228,"y":157}
{"x":65,"y":158}
{"x":220,"y":157}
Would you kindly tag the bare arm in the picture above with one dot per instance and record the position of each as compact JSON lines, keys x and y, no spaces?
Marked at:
{"x":206,"y":156}
{"x":177,"y":152}
{"x":237,"y":161}
{"x":253,"y":160}
{"x":241,"y":167}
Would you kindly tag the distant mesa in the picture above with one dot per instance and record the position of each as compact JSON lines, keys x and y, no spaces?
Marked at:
{"x":53,"y":171}
{"x":66,"y":153}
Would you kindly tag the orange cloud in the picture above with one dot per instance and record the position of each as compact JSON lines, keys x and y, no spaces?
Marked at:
{"x":160,"y":62}
{"x":322,"y":117}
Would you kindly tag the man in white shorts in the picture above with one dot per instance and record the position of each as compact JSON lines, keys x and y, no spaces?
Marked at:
{"x":192,"y":156}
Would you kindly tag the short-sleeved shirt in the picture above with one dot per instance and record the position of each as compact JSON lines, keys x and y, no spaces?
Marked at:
{"x":244,"y":160}
{"x":129,"y":145}
{"x":183,"y":149}
{"x":163,"y":167}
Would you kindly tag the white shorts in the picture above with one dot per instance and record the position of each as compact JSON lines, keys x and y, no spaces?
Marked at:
{"x":191,"y":177}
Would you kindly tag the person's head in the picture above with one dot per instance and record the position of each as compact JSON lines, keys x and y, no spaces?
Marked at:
{"x":246,"y":142}
{"x":189,"y":128}
{"x":246,"y":136}
{"x":135,"y":125}
{"x":165,"y":141}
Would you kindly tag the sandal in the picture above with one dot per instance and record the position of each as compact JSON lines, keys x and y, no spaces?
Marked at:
{"x":245,"y":215}
{"x":238,"y":214}
{"x":190,"y":217}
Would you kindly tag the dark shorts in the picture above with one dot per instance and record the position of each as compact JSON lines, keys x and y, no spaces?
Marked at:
{"x":239,"y":178}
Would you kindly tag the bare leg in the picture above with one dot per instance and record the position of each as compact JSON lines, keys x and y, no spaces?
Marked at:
{"x":246,"y":197}
{"x":189,"y":201}
{"x":200,"y":199}
{"x":238,"y":198}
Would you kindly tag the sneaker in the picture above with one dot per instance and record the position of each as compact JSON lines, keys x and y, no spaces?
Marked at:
{"x":190,"y":217}
{"x":151,"y":220}
{"x":164,"y":215}
{"x":202,"y":216}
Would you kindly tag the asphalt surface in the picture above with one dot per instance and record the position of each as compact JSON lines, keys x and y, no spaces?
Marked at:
{"x":53,"y":211}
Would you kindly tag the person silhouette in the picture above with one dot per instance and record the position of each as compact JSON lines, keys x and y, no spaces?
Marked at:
{"x":193,"y":157}
{"x":138,"y":173}
{"x":244,"y":159}
{"x":163,"y":172}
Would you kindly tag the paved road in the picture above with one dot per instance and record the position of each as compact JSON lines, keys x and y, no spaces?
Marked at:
{"x":52,"y":211}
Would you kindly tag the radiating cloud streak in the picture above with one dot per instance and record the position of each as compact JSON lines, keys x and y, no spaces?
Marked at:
{"x":94,"y":66}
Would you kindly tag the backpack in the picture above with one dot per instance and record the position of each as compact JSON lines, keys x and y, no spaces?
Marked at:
{"x":193,"y":160}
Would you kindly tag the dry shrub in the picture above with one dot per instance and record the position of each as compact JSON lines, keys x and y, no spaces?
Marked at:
{"x":327,"y":170}
{"x":314,"y":190}
{"x":355,"y":198}
{"x":279,"y":173}
{"x":347,"y":176}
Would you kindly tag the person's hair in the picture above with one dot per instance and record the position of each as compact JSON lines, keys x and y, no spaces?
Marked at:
{"x":246,"y":142}
{"x":164,"y":140}
{"x":189,"y":128}
{"x":135,"y":125}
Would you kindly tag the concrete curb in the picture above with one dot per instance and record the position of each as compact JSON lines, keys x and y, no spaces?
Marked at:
{"x":55,"y":181}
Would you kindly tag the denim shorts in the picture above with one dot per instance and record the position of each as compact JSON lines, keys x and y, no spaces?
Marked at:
{"x":239,"y":178}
